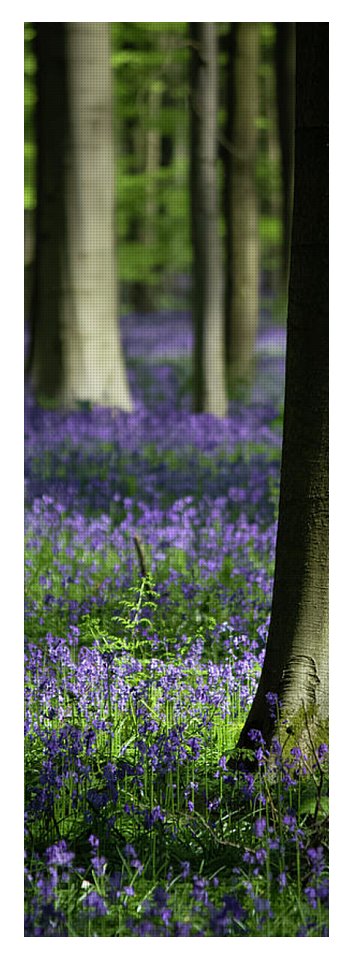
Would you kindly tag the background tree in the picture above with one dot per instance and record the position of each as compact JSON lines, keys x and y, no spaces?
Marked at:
{"x":29,"y":164}
{"x":150,"y":67}
{"x":296,"y":660}
{"x":52,"y":123}
{"x":285,"y":72}
{"x":208,"y":294}
{"x":76,"y":350}
{"x":242,"y":254}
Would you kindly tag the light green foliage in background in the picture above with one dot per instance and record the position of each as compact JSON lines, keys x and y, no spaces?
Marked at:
{"x":150,"y":65}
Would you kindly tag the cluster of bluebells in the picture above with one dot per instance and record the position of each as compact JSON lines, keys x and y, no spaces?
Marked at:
{"x":90,"y":455}
{"x":216,"y":905}
{"x":130,"y":721}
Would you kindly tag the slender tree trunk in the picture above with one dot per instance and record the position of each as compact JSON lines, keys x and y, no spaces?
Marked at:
{"x":52,"y":125}
{"x":228,"y":184}
{"x":242,"y":302}
{"x":208,"y":293}
{"x":285,"y":76}
{"x":77,"y":350}
{"x":152,"y":165}
{"x":296,"y":661}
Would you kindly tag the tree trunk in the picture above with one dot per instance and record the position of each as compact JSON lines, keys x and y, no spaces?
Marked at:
{"x":77,"y":350}
{"x":285,"y":76}
{"x":29,"y":259}
{"x":52,"y":123}
{"x":226,"y":151}
{"x":152,"y":165}
{"x":208,"y":303}
{"x":242,"y":303}
{"x":296,"y":660}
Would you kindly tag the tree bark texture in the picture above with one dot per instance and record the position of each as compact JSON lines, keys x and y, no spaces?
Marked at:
{"x":77,"y":350}
{"x":285,"y":77}
{"x":208,"y":293}
{"x":296,"y":660}
{"x":242,"y":298}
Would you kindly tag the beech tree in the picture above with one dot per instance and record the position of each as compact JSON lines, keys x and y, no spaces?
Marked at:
{"x":296,"y":659}
{"x":285,"y":85}
{"x":208,"y":292}
{"x":76,"y":350}
{"x":241,"y":199}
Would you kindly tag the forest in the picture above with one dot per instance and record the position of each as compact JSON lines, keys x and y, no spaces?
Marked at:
{"x":176,"y":479}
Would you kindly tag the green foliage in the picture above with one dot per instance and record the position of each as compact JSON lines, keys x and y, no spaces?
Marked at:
{"x":30,"y":67}
{"x":270,"y":229}
{"x":151,"y":95}
{"x":150,"y":65}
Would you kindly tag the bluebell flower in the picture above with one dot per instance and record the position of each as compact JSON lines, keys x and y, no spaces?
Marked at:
{"x":95,"y":904}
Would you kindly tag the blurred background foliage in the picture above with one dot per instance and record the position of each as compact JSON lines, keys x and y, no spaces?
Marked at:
{"x":151,"y":92}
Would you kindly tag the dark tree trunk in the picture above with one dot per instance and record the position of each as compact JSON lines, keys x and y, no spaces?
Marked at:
{"x":296,"y":661}
{"x":52,"y":133}
{"x":208,"y":305}
{"x":285,"y":78}
{"x":228,"y":186}
{"x":76,"y":351}
{"x":242,"y":238}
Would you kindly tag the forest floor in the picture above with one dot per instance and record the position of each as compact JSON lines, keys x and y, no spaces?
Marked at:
{"x":150,"y":543}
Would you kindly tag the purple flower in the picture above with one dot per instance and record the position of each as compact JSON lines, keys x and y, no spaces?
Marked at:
{"x":282,"y":880}
{"x":95,"y":904}
{"x":233,"y":906}
{"x":129,"y":850}
{"x":311,"y":895}
{"x":98,"y":864}
{"x":194,"y":744}
{"x":185,"y":869}
{"x":182,"y":929}
{"x":260,"y":756}
{"x":248,"y":857}
{"x":256,"y":737}
{"x":129,"y":890}
{"x":59,"y":854}
{"x":273,"y":704}
{"x":316,"y":857}
{"x":160,"y":896}
{"x":165,"y":915}
{"x":199,"y":891}
{"x":152,"y":816}
{"x":46,"y":887}
{"x":94,"y":841}
{"x":296,"y":753}
{"x":260,"y":827}
{"x":263,"y":906}
{"x":114,"y":886}
{"x":323,"y":891}
{"x":260,"y":856}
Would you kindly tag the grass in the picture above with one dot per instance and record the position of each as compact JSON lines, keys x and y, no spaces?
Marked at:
{"x":149,"y":568}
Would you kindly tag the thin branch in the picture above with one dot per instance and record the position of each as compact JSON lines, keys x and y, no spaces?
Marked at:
{"x":141,"y":556}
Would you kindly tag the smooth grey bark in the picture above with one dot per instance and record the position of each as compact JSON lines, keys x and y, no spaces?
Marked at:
{"x":76,"y":349}
{"x":296,"y":660}
{"x":242,"y":298}
{"x":208,"y":291}
{"x":285,"y":76}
